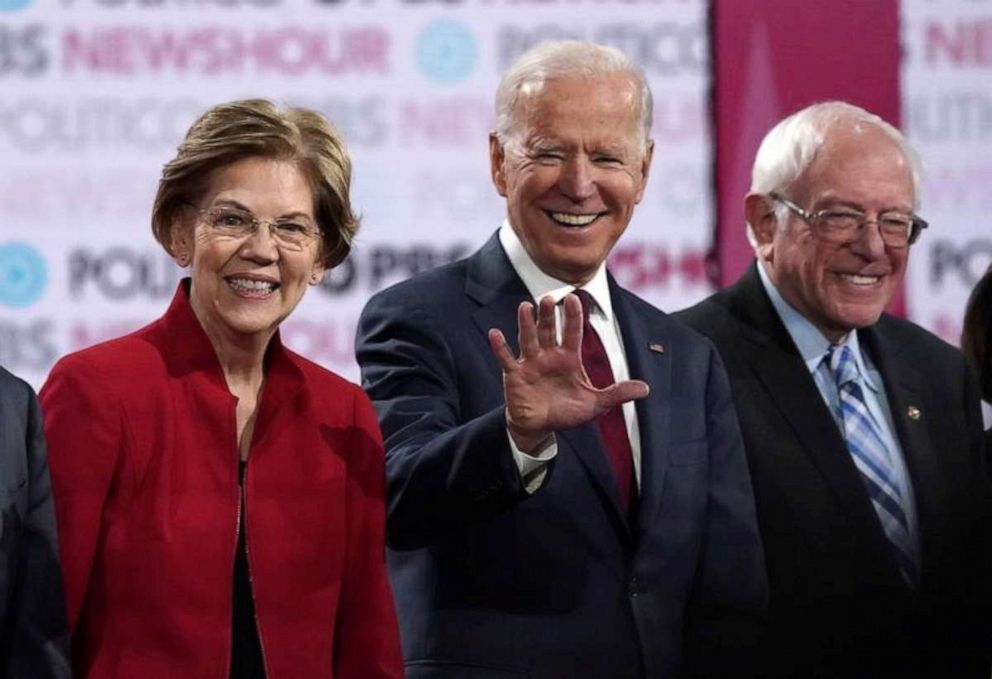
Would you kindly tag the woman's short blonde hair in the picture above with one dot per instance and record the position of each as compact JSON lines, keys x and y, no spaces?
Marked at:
{"x":256,"y":128}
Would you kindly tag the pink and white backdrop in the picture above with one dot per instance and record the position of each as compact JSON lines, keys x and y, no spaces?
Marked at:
{"x":95,"y":95}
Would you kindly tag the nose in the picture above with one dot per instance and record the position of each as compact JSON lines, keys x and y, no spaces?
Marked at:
{"x":868,"y":240}
{"x":577,"y":179}
{"x":260,"y":246}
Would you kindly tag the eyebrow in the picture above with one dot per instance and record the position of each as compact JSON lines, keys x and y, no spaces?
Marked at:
{"x":834,"y":202}
{"x":615,"y":151}
{"x":547,"y":145}
{"x":230,"y":202}
{"x":542,"y":144}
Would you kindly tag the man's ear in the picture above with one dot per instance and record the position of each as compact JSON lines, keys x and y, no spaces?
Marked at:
{"x":497,"y":160}
{"x":645,"y":169}
{"x":759,"y":210}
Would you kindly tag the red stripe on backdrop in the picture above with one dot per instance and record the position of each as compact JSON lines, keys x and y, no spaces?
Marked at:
{"x":772,"y":57}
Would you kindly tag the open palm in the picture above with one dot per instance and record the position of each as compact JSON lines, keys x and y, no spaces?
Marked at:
{"x":546,"y":388}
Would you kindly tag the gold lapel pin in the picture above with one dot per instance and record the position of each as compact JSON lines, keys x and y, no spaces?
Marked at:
{"x":657,"y":347}
{"x":913,"y":412}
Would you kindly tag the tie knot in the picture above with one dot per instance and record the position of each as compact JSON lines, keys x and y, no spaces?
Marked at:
{"x":588,"y":303}
{"x":842,"y":364}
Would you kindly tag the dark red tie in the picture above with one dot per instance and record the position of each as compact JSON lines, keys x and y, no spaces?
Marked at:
{"x":611,"y":423}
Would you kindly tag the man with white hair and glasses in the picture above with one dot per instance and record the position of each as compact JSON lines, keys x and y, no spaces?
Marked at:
{"x":863,"y":432}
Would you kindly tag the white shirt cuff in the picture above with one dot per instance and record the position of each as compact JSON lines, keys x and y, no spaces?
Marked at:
{"x":534,"y":466}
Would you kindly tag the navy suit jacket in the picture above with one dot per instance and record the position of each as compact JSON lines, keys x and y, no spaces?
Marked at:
{"x":491,"y":582}
{"x":34,"y":641}
{"x":838,"y":605}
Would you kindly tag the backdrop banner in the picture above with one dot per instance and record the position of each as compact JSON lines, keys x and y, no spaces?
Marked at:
{"x":773,"y":57}
{"x":98,"y":93}
{"x":947,"y":112}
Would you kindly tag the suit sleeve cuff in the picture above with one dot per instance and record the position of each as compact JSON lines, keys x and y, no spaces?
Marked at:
{"x":533,"y":467}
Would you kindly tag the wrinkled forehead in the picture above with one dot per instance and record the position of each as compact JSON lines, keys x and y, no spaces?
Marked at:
{"x":612,"y":100}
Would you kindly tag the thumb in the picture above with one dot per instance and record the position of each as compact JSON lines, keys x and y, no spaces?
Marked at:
{"x":621,"y":392}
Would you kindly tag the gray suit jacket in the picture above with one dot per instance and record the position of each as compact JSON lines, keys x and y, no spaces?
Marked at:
{"x":34,"y":643}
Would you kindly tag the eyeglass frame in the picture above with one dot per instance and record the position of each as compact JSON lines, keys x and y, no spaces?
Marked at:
{"x":256,"y":222}
{"x":916,"y":223}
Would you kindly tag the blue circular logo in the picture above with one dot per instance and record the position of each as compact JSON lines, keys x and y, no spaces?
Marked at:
{"x":11,"y":5}
{"x":23,"y":275}
{"x":446,"y":51}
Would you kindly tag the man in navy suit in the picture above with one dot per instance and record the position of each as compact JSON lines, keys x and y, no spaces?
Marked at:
{"x":34,"y":640}
{"x":862,"y":430}
{"x":574,"y":503}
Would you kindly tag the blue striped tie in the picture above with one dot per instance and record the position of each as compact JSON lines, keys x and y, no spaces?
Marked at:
{"x":873,"y":459}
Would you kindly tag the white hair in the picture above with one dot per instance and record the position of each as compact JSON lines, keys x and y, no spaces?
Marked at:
{"x":790,"y":147}
{"x":566,"y":59}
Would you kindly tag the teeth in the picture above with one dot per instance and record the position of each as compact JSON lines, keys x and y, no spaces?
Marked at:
{"x":253,"y":285}
{"x":860,"y":280}
{"x":573,"y":220}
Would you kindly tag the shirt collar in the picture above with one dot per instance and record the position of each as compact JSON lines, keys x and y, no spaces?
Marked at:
{"x":810,"y":342}
{"x":540,"y":284}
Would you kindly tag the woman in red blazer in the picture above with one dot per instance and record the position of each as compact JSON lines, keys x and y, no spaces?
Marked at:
{"x":220,"y":498}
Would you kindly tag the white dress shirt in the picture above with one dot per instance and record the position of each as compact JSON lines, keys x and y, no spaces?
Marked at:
{"x":533,"y":468}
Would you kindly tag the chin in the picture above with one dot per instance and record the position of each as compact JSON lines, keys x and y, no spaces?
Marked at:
{"x":578,"y":269}
{"x":252,"y":326}
{"x":860,"y":319}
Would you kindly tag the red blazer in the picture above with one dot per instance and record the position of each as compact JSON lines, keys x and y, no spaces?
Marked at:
{"x":144,"y":463}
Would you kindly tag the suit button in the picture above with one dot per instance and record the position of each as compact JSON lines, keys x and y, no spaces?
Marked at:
{"x":632,"y":588}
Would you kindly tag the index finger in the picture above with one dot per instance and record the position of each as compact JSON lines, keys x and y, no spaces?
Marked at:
{"x":497,"y":342}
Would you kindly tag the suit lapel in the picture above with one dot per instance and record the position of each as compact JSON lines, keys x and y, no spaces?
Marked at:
{"x":496,"y":287}
{"x":790,"y":387}
{"x":786,"y":380}
{"x":653,"y":412}
{"x":904,"y":391}
{"x":587,"y":446}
